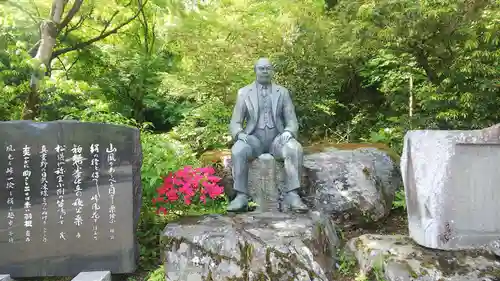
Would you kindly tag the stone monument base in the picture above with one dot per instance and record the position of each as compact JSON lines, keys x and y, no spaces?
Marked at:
{"x":253,"y":246}
{"x":266,"y":181}
{"x":451,"y":185}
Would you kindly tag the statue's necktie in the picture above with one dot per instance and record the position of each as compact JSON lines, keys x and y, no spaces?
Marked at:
{"x":264,"y":91}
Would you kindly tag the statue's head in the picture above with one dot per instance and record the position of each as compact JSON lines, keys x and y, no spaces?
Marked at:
{"x":263,"y":71}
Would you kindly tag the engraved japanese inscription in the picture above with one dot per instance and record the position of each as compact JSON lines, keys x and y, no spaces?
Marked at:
{"x":70,"y":192}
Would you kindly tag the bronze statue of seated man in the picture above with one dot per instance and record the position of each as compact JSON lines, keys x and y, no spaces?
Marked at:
{"x":271,"y":127}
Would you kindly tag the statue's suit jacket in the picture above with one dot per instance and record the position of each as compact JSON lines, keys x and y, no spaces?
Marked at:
{"x":247,"y":109}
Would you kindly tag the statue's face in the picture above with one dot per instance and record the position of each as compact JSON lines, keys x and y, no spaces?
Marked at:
{"x":264,"y":71}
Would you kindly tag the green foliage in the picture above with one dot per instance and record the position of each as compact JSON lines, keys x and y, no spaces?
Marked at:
{"x":161,"y":155}
{"x":349,"y":69}
{"x":15,"y":70}
{"x":219,"y":45}
{"x":347,"y":263}
{"x":449,"y":48}
{"x":157,"y":275}
{"x":399,"y":200}
{"x":206,"y":127}
{"x":389,"y":136}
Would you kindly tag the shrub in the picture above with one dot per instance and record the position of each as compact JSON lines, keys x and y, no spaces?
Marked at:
{"x":187,"y":187}
{"x":161,"y":155}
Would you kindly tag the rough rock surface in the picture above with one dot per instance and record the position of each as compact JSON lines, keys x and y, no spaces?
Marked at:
{"x":451,"y":185}
{"x":494,"y":247}
{"x":398,"y":258}
{"x":356,"y":184}
{"x":250,"y":247}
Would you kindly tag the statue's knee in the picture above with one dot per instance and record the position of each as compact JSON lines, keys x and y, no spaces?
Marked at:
{"x":240,"y":150}
{"x":292,"y":148}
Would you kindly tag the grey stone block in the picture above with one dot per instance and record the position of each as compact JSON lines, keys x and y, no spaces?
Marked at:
{"x":4,"y":277}
{"x":265,"y":182}
{"x":451,"y":185}
{"x":93,"y":276}
{"x":94,"y":228}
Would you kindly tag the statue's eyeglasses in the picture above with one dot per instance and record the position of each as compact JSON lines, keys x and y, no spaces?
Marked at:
{"x":268,"y":68}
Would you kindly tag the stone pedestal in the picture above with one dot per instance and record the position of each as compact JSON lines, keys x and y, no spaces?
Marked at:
{"x":251,"y":246}
{"x":265,"y":183}
{"x":451,"y":184}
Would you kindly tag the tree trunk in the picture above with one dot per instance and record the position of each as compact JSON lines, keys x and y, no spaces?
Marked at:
{"x":45,"y":53}
{"x":48,"y":35}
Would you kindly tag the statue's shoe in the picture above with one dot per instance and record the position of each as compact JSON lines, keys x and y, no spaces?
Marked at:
{"x":239,"y":203}
{"x":293,"y":202}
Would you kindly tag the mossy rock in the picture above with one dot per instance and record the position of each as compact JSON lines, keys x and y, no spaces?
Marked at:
{"x":214,"y":156}
{"x":401,"y":258}
{"x":326,"y":146}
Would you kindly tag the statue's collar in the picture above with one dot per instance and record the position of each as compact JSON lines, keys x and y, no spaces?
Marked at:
{"x":263,"y":86}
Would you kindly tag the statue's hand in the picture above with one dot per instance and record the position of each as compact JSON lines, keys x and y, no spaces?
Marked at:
{"x":286,"y":136}
{"x":243,"y":137}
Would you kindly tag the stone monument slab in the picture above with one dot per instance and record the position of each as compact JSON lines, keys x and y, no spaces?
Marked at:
{"x":266,"y":182}
{"x":451,"y":185}
{"x":72,"y":194}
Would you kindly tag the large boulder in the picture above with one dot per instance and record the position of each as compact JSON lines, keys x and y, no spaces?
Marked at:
{"x":251,"y":246}
{"x":353,"y":182}
{"x":398,"y":258}
{"x":357,"y":185}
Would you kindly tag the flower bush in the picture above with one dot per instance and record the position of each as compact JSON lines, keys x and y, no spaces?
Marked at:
{"x":187,"y":186}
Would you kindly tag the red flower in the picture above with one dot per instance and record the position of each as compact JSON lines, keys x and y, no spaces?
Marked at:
{"x":184,"y":184}
{"x":172,"y":195}
{"x":161,"y":210}
{"x":213,"y":179}
{"x":203,"y":198}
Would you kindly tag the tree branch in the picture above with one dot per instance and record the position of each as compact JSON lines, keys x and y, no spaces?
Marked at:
{"x":57,"y":10}
{"x":103,"y":35}
{"x":69,"y":28}
{"x":64,"y":68}
{"x":72,"y":12}
{"x":74,"y":62}
{"x":153,"y":37}
{"x":145,"y":26}
{"x":108,"y":22}
{"x":423,"y":61}
{"x":34,"y":49}
{"x":36,"y":8}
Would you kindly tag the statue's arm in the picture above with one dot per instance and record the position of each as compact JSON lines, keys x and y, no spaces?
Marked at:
{"x":291,"y":122}
{"x":238,"y":117}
